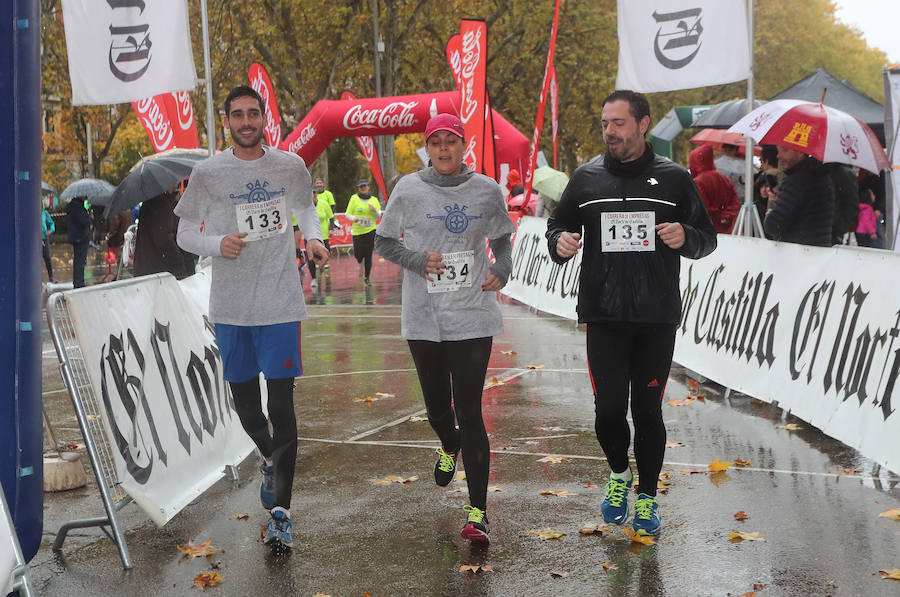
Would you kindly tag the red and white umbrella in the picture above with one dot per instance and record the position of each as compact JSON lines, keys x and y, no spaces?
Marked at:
{"x":719,"y":137}
{"x":827,"y":134}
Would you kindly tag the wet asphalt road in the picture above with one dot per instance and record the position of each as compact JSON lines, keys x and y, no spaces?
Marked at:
{"x":820,"y":522}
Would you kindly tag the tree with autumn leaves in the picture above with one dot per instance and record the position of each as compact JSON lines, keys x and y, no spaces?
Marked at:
{"x":314,"y":50}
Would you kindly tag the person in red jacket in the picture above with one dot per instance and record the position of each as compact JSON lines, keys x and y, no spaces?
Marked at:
{"x":717,"y":190}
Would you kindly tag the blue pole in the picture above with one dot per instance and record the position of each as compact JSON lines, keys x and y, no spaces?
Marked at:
{"x":21,"y":459}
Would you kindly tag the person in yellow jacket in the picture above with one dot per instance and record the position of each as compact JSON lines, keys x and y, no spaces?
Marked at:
{"x":364,"y":211}
{"x":326,"y":222}
{"x":323,"y":194}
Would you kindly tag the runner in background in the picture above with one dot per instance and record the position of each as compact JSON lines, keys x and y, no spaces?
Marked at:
{"x":326,"y":222}
{"x":364,"y":211}
{"x":639,"y":213}
{"x":324,"y":194}
{"x":450,"y":312}
{"x":237,"y":209}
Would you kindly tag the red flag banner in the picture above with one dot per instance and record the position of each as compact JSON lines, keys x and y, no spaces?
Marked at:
{"x":554,"y":113}
{"x":260,"y":82}
{"x":168,"y":119}
{"x":473,"y":91}
{"x":367,"y":146}
{"x":453,"y":50}
{"x":539,"y":119}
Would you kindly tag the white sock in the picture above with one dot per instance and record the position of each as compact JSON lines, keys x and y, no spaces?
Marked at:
{"x":624,"y":475}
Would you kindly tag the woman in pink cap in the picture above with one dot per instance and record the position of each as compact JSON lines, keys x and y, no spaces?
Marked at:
{"x":450,"y":312}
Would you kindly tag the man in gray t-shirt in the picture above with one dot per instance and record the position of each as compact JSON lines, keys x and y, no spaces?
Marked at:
{"x":237,"y":209}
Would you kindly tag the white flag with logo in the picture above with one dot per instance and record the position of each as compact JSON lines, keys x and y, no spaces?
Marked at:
{"x":680,"y":44}
{"x":127,"y":50}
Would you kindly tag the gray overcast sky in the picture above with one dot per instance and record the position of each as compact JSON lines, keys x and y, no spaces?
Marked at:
{"x":879,"y":21}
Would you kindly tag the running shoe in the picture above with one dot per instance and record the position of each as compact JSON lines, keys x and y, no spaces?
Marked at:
{"x":646,"y":515}
{"x":615,"y":504}
{"x":476,"y":529}
{"x":445,"y":467}
{"x":267,"y":486}
{"x":278,"y":531}
{"x":368,"y":282}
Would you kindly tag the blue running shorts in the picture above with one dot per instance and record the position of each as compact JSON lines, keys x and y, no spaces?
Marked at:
{"x":248,"y":350}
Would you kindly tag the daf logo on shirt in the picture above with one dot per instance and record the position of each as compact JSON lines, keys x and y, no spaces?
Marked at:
{"x":652,"y":181}
{"x":258,"y":192}
{"x":456,"y":219}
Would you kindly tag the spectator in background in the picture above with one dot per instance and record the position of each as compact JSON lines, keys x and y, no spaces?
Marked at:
{"x":323,"y":193}
{"x":867,"y":228}
{"x":47,"y":228}
{"x":718,"y":192}
{"x":118,"y":225}
{"x":156,"y":249}
{"x":846,"y":201}
{"x":768,"y":171}
{"x":78,"y":226}
{"x":804,"y":209}
{"x":732,"y":165}
{"x":514,"y":183}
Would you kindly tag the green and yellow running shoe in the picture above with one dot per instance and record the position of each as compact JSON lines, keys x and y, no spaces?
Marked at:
{"x":445,"y":467}
{"x":646,"y":515}
{"x":476,"y":529}
{"x":615,"y":504}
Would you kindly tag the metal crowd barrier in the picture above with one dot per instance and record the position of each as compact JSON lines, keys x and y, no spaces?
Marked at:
{"x":90,"y":414}
{"x":20,"y":577}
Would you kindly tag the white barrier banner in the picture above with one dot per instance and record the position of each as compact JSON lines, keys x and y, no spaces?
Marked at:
{"x":815,"y":329}
{"x":8,"y":548}
{"x":154,"y":363}
{"x":537,"y":281}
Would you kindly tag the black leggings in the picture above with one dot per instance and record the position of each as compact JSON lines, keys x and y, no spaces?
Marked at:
{"x":312,"y":264}
{"x":363,"y":246}
{"x":281,"y":447}
{"x":452,"y":374}
{"x":636,"y":356}
{"x":45,"y":249}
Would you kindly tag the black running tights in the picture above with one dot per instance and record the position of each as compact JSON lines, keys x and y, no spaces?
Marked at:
{"x":635,"y":356}
{"x":451,"y":374}
{"x":281,"y":446}
{"x":363,"y":246}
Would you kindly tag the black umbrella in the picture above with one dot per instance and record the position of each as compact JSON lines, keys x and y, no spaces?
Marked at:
{"x":722,"y":116}
{"x":95,"y":190}
{"x":153,"y":176}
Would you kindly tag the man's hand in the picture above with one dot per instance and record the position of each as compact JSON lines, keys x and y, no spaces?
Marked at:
{"x":671,"y":233}
{"x":316,"y":251}
{"x":434,"y":265}
{"x":232,"y":244}
{"x":567,"y":244}
{"x":491,"y":282}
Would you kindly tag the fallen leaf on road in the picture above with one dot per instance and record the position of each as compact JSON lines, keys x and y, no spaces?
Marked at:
{"x":715,"y":466}
{"x":789,"y":427}
{"x":546,"y":533}
{"x":700,"y":397}
{"x":737,"y":536}
{"x":590,"y":485}
{"x":493,"y":488}
{"x":693,"y":384}
{"x":610,"y":566}
{"x":460,"y":476}
{"x":367,"y":399}
{"x":594,"y":528}
{"x":662,"y":485}
{"x":893,"y":514}
{"x":507,"y":447}
{"x":495,"y":382}
{"x":199,"y":550}
{"x":384,"y":395}
{"x":558,"y":574}
{"x":739,"y":462}
{"x":507,"y":352}
{"x":890,"y":574}
{"x":560,"y":492}
{"x":475,"y":569}
{"x":395,"y":479}
{"x":533,"y":367}
{"x":759,"y":586}
{"x":741,"y":515}
{"x":462,"y":489}
{"x":692,"y":471}
{"x":242,"y":516}
{"x":645,"y":539}
{"x":207,"y":579}
{"x":554,"y":459}
{"x":684,"y":402}
{"x":847,"y":471}
{"x":674,"y":445}
{"x":416,"y":418}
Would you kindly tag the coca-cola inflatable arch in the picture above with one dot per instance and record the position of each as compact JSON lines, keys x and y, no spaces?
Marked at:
{"x":331,"y":119}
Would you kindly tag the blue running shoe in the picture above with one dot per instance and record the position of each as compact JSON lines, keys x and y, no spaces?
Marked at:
{"x":267,"y":487}
{"x":646,"y":515}
{"x":278,"y":531}
{"x":615,"y":504}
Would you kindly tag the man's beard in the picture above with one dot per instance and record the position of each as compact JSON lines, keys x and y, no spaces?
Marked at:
{"x":252,"y":143}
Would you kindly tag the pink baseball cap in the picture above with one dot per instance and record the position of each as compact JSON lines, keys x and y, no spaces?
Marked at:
{"x":445,"y":122}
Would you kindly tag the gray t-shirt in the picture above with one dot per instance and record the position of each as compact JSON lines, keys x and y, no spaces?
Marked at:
{"x":262,"y":286}
{"x":447,"y":219}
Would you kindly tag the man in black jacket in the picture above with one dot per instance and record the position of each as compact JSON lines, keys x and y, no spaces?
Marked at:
{"x":78,"y":227}
{"x":640,"y":214}
{"x":803,"y":211}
